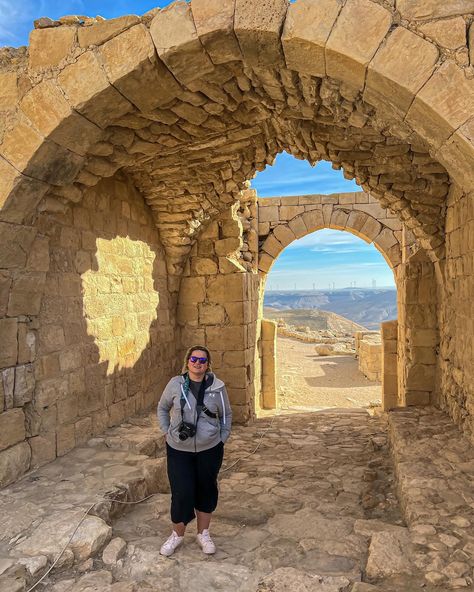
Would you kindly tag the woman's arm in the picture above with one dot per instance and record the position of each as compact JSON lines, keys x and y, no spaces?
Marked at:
{"x":164,"y":406}
{"x":225,"y":415}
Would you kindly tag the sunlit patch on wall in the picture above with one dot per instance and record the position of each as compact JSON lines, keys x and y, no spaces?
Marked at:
{"x":120,"y":302}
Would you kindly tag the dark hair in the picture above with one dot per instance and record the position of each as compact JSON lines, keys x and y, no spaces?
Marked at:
{"x":189,"y":354}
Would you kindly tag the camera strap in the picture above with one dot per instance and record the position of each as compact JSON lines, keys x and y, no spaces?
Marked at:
{"x":200,"y":398}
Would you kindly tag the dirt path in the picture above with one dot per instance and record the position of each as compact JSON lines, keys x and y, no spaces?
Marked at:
{"x":306,"y":380}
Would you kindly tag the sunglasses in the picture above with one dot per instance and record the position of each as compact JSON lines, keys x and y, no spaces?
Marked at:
{"x":195,"y":359}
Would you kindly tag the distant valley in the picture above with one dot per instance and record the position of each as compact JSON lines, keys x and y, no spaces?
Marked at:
{"x":365,"y":306}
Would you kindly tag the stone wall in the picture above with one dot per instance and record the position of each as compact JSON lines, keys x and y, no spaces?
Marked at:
{"x":389,"y":332}
{"x":369,"y":353}
{"x":456,"y":352}
{"x":86,"y":326}
{"x":268,"y":345}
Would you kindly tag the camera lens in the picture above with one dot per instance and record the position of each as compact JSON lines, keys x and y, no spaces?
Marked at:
{"x":182,"y":436}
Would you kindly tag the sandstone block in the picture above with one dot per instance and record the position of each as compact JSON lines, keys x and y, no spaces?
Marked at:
{"x":48,"y":47}
{"x":449,"y":33}
{"x":131,"y":66}
{"x":298,"y":227}
{"x":359,"y":30}
{"x":284,"y":235}
{"x":50,"y":113}
{"x":265,"y":262}
{"x":203,"y":266}
{"x":20,"y":144}
{"x":431,"y":9}
{"x":102,"y":31}
{"x":306,"y":30}
{"x":237,"y":397}
{"x":339,"y":219}
{"x":233,"y":337}
{"x":388,"y":554}
{"x":371,"y":228}
{"x":258,"y":28}
{"x":26,"y":294}
{"x":90,"y":93}
{"x":288,"y":212}
{"x":114,"y":551}
{"x":268,"y":214}
{"x":9,"y":341}
{"x":214,"y":21}
{"x":389,"y":80}
{"x":272,"y":246}
{"x":211,"y":314}
{"x":421,"y":377}
{"x":176,"y":40}
{"x":235,"y":378}
{"x":192,"y":290}
{"x":14,"y":462}
{"x":43,"y":450}
{"x":12,"y":428}
{"x":443,"y":104}
{"x":229,"y":288}
{"x":313,"y":220}
{"x":65,"y":439}
{"x":24,"y":385}
{"x":8,"y":90}
{"x":228,"y":246}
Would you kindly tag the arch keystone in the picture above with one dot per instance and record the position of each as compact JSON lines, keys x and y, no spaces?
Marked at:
{"x":214,"y":20}
{"x":399,"y":69}
{"x":176,"y":40}
{"x":359,"y":30}
{"x":258,"y":27}
{"x":307,"y":28}
{"x":131,"y":65}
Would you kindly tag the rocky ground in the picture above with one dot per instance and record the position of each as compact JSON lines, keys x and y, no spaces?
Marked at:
{"x":308,"y":504}
{"x":308,"y":381}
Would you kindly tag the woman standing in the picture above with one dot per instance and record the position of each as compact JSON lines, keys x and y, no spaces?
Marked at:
{"x":195,"y":414}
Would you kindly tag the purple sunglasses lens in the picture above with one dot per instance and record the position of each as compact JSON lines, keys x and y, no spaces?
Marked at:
{"x":195,"y":359}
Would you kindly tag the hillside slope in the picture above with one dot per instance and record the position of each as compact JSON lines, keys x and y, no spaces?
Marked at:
{"x":315,"y":320}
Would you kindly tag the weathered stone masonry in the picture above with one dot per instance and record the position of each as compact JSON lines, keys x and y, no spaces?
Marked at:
{"x":186,"y":103}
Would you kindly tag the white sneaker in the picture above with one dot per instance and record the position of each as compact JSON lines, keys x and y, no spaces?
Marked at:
{"x":207,"y":545}
{"x":171,"y":544}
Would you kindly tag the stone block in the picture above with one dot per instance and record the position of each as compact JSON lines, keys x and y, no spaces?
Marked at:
{"x":43,"y":450}
{"x":421,"y":377}
{"x":339,"y":219}
{"x":228,"y":246}
{"x":12,"y":428}
{"x":8,"y":90}
{"x":389,"y":80}
{"x":224,"y":289}
{"x":371,"y":228}
{"x":50,"y":113}
{"x":101,"y":31}
{"x":211,"y":314}
{"x":14,"y":462}
{"x":9,"y":341}
{"x":298,"y":227}
{"x":237,"y":397}
{"x":268,"y":214}
{"x":443,"y":104}
{"x":234,"y":337}
{"x":272,"y":246}
{"x":258,"y":28}
{"x":288,"y":212}
{"x":49,"y":47}
{"x":234,"y":378}
{"x":284,"y":235}
{"x":132,"y":67}
{"x":307,"y":28}
{"x":214,"y":21}
{"x":313,"y":220}
{"x":432,"y":9}
{"x":90,"y":93}
{"x":24,"y":385}
{"x":192,"y":290}
{"x":265,"y":262}
{"x":417,"y":398}
{"x":65,"y":439}
{"x":204,"y":266}
{"x":176,"y":40}
{"x":359,"y":30}
{"x":26,"y":294}
{"x":7,"y":378}
{"x":449,"y":33}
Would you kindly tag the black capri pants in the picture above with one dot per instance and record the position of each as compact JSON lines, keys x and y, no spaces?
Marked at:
{"x":193,"y":481}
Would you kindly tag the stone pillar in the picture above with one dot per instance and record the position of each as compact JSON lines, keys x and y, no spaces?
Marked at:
{"x":418,"y":333}
{"x":389,"y":331}
{"x":268,"y":357}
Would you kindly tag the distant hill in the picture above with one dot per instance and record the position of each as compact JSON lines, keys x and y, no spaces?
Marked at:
{"x":315,"y":320}
{"x":365,"y":306}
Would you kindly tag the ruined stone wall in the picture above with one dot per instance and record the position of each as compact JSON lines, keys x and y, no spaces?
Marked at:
{"x":370,"y":357}
{"x":85,"y":324}
{"x":456,"y":352}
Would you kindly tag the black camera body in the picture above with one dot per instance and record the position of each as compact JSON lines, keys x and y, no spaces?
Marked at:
{"x":186,"y":430}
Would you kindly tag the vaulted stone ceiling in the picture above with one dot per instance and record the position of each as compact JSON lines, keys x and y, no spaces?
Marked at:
{"x":193,"y":99}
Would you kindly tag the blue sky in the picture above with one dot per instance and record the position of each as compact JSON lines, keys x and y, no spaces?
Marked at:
{"x":322,"y":258}
{"x":325,"y":257}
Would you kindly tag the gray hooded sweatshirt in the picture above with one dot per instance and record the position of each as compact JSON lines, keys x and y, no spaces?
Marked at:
{"x":210,"y":431}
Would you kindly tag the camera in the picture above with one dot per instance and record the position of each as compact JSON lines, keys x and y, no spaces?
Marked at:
{"x":186,"y":430}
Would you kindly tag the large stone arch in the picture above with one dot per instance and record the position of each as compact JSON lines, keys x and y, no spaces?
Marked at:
{"x":285,"y":219}
{"x":188,"y":102}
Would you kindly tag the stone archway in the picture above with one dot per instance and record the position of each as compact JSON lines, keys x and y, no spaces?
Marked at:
{"x":189,"y":101}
